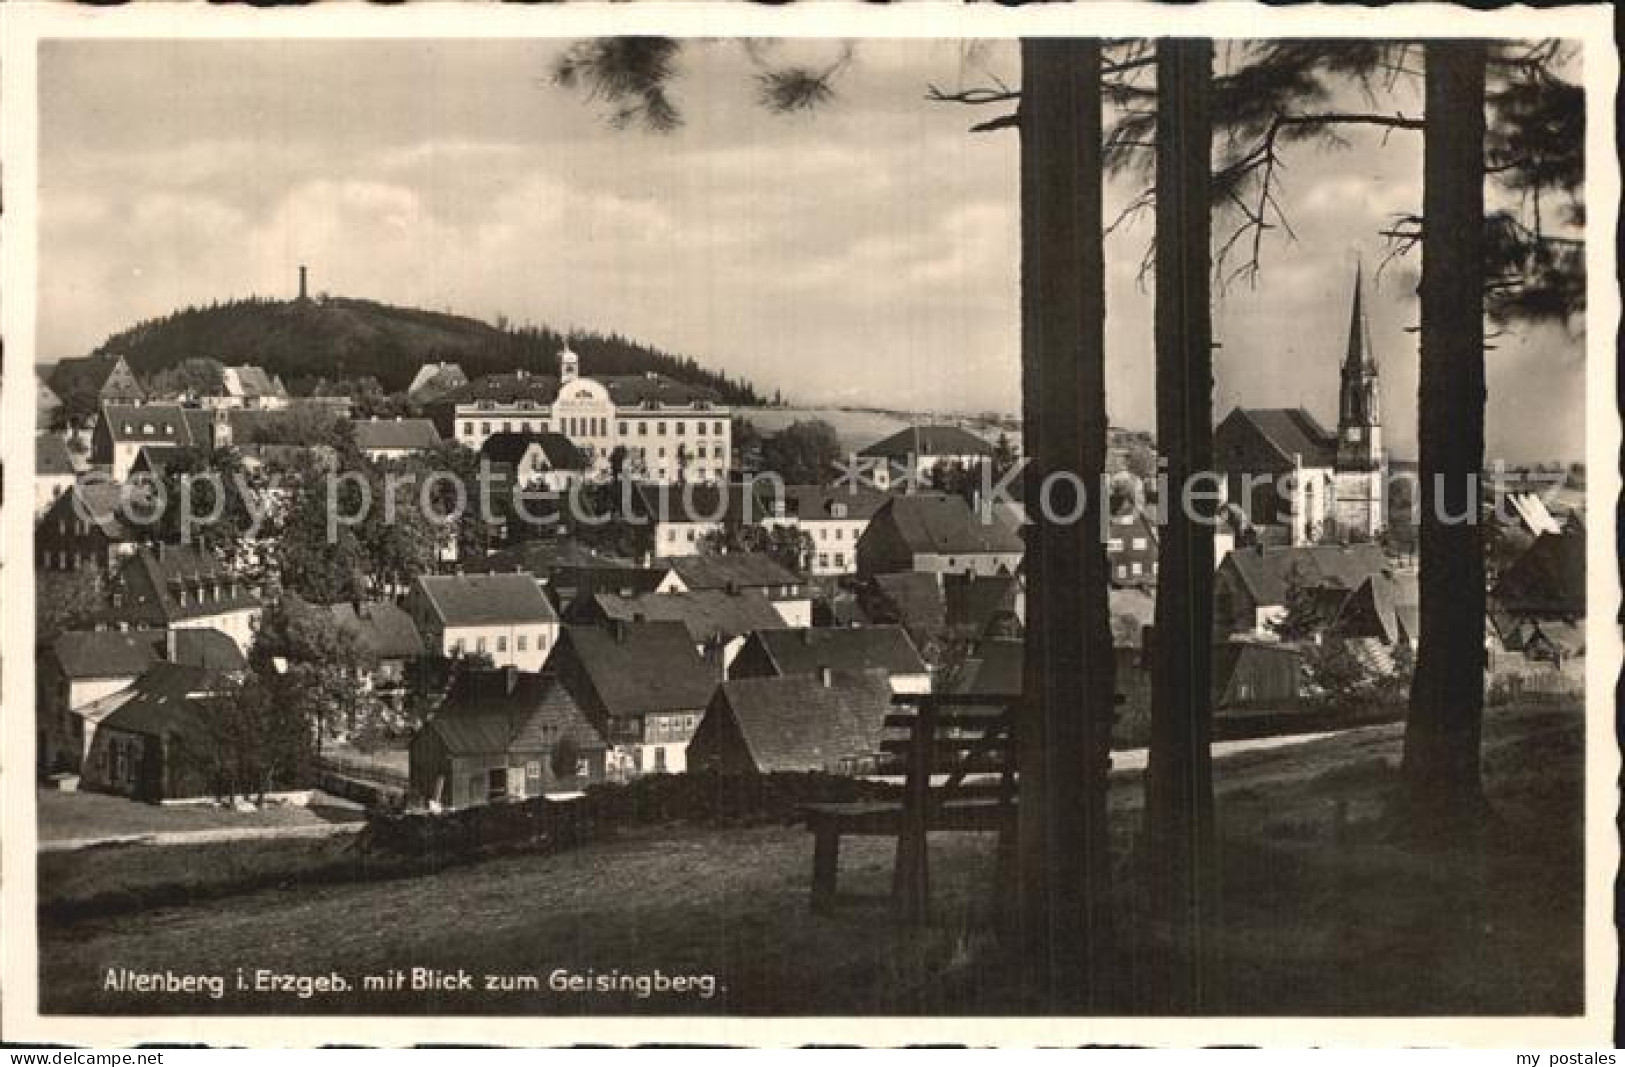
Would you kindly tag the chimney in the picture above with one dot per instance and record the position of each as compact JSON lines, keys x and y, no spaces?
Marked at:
{"x":302,"y":293}
{"x":826,"y":677}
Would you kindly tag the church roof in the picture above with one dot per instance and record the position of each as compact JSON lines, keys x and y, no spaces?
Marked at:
{"x":1292,"y":432}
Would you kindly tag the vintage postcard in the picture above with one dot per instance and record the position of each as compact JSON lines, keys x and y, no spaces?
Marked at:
{"x":711,"y":523}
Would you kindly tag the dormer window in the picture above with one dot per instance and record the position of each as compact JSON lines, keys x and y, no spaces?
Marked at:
{"x":838,"y":511}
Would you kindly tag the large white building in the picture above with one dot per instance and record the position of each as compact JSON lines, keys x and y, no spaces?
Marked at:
{"x":671,"y":431}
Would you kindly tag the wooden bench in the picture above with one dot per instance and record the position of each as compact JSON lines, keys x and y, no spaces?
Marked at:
{"x":957,"y":755}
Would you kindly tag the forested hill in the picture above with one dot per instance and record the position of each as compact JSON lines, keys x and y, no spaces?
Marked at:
{"x":336,"y":337}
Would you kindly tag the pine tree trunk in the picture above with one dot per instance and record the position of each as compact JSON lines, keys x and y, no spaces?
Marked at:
{"x":1442,"y":734}
{"x":1179,"y":779}
{"x":1066,"y":720}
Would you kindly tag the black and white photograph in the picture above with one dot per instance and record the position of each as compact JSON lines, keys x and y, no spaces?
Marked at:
{"x":721,"y":519}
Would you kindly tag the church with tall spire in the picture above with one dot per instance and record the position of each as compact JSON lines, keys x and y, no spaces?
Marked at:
{"x":1298,"y":483}
{"x":1361,"y":467}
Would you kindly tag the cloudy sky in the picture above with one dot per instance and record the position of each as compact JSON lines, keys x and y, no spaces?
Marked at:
{"x":863,"y":254}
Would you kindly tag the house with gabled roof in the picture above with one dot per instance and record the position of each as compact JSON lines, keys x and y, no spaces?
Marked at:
{"x":388,"y":635}
{"x":82,"y":667}
{"x":251,"y":387}
{"x":909,"y":456}
{"x":832,"y":518}
{"x":1252,"y":586}
{"x":524,"y":459}
{"x":828,"y":722}
{"x":434,"y":381}
{"x":738,"y":571}
{"x":153,"y":740}
{"x":938,"y":533}
{"x":718,"y":621}
{"x":380,"y":439}
{"x":181,"y":587}
{"x":125,"y":429}
{"x":504,"y":616}
{"x":104,"y":379}
{"x":89,"y":525}
{"x":501,"y":735}
{"x":54,"y":471}
{"x":642,"y":685}
{"x":806,"y":651}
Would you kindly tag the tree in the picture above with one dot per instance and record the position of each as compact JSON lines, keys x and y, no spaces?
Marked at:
{"x":193,"y":377}
{"x":321,"y":569}
{"x":66,"y":600}
{"x":253,"y":740}
{"x":216,"y":482}
{"x":1443,"y":732}
{"x":789,"y":546}
{"x":1063,"y":909}
{"x":317,"y":664}
{"x":1179,"y":837}
{"x":803,"y":453}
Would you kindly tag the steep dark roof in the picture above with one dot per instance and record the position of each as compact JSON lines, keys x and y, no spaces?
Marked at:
{"x":914,"y":598}
{"x":546,"y":558}
{"x":51,"y":457}
{"x":698,"y":502}
{"x":804,"y":651}
{"x":385,"y":629}
{"x":1391,"y":602}
{"x":929,"y":441}
{"x":1549,"y":578}
{"x":796,"y":723}
{"x":1268,"y":573}
{"x":993,"y":668}
{"x":508,"y":388}
{"x":396,"y":434}
{"x":98,"y":503}
{"x":254,"y":381}
{"x":477,"y":599}
{"x":640,"y":667}
{"x":1293,"y":431}
{"x":741,"y":570}
{"x":503,"y":710}
{"x":706,"y":613}
{"x":510,"y":447}
{"x":943,"y":524}
{"x":814,"y":502}
{"x":631,"y":389}
{"x":165,"y":702}
{"x":159,"y":424}
{"x":127,"y":654}
{"x":154,"y":579}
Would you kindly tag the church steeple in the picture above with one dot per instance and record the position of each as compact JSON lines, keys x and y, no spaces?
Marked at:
{"x":1359,"y":418}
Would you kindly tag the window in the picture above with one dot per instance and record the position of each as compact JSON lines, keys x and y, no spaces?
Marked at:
{"x":496,"y":783}
{"x":457,"y":647}
{"x":468,"y":429}
{"x":699,"y":429}
{"x":621,"y":429}
{"x":701,"y":451}
{"x":823,"y":559}
{"x":717,"y":429}
{"x":690,"y":536}
{"x":523,"y":640}
{"x":643,"y":429}
{"x":525,"y":426}
{"x":485,"y":427}
{"x":507,"y":426}
{"x":479,"y":644}
{"x":660,"y":429}
{"x":1114,"y":544}
{"x":533,"y":777}
{"x":502,"y":644}
{"x":541,"y":642}
{"x":1136,"y":568}
{"x":1139,"y":544}
{"x":1122,"y":571}
{"x":660,"y":760}
{"x":680,"y":428}
{"x":840,"y":559}
{"x":671,"y":535}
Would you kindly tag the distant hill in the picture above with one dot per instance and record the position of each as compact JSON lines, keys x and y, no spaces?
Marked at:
{"x":339,"y":337}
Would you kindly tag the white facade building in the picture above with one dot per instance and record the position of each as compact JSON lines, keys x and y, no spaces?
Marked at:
{"x":670,"y":431}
